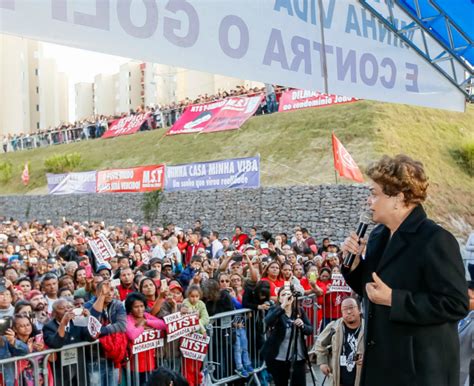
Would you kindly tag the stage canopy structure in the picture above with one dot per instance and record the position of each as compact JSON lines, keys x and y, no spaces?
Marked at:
{"x":416,"y":52}
{"x":450,"y":23}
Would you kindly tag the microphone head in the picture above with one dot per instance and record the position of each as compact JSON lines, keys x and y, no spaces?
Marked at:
{"x":366,"y":217}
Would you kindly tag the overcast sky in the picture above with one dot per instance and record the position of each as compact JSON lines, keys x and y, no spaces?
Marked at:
{"x":81,"y":66}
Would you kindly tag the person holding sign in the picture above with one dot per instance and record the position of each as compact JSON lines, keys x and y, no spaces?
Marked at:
{"x":139,"y":321}
{"x":193,"y":303}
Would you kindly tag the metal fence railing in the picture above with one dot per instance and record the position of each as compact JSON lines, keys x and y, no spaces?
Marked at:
{"x":234,"y":337}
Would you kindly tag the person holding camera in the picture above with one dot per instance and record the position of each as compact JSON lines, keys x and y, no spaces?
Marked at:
{"x":339,"y":347}
{"x":10,"y":346}
{"x":285,"y":351}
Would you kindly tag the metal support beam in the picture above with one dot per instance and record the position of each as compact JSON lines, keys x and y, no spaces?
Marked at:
{"x":450,"y":52}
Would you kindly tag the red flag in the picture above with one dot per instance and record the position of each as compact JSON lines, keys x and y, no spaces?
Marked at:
{"x":344,"y":163}
{"x":25,"y":176}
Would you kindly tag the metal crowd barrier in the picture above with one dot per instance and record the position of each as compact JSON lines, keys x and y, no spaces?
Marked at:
{"x":229,"y":332}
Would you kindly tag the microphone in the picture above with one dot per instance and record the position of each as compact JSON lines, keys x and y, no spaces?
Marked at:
{"x":364,"y":221}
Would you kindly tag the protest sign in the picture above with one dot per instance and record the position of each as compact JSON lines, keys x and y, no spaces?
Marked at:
{"x":302,"y":99}
{"x":339,"y":284}
{"x":148,"y":340}
{"x":226,"y":114}
{"x":126,"y":125}
{"x":194,"y":346}
{"x":178,"y":325}
{"x":102,"y":249}
{"x":131,"y":180}
{"x":72,"y":183}
{"x":93,"y":326}
{"x":223,"y":174}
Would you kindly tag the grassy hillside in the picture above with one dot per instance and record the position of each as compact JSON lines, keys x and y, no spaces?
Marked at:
{"x":295,"y":148}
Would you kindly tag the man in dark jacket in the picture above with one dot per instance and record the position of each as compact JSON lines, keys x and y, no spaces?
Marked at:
{"x":61,"y":331}
{"x":412,"y":281}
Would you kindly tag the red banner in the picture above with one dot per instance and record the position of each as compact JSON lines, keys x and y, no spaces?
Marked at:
{"x":139,"y":179}
{"x":126,"y":125}
{"x":227,"y":114}
{"x":303,"y":99}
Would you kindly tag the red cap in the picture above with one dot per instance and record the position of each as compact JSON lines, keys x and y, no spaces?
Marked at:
{"x":175,"y":285}
{"x":32,"y":294}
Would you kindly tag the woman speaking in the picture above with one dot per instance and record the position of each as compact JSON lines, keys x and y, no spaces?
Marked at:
{"x":284,"y":351}
{"x":412,"y":280}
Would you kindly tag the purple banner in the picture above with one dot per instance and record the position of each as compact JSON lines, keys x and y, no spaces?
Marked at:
{"x":72,"y":183}
{"x":234,"y":173}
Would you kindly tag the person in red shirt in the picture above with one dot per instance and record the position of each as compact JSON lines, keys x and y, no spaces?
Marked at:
{"x":192,"y":247}
{"x":240,"y":238}
{"x":126,"y":283}
{"x":272,"y":274}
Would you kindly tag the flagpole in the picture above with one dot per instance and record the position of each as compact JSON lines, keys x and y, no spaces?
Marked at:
{"x":333,"y":157}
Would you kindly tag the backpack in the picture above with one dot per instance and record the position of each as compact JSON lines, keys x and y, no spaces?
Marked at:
{"x":115,"y":347}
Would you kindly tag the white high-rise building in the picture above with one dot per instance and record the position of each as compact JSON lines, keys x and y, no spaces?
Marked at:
{"x":129,"y":87}
{"x":104,"y":94}
{"x":158,"y":84}
{"x":84,"y":100}
{"x":33,"y":95}
{"x":54,"y":94}
{"x":191,"y":84}
{"x":19,"y":93}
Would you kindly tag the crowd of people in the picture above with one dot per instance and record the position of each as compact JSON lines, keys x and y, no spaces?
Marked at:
{"x":161,"y":116}
{"x":50,"y":272}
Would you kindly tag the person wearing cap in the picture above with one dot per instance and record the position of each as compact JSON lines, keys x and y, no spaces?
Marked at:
{"x":227,"y":244}
{"x":156,"y":263}
{"x":104,"y":271}
{"x":39,"y":306}
{"x":167,"y":270}
{"x":16,"y":261}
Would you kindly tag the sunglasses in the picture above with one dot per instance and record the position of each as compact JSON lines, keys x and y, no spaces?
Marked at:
{"x":225,"y":281}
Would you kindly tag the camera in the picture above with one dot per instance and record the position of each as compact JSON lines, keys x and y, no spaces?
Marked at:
{"x":237,"y":257}
{"x":5,"y":323}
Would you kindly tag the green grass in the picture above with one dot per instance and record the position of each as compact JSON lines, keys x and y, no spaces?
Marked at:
{"x":295,"y":148}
